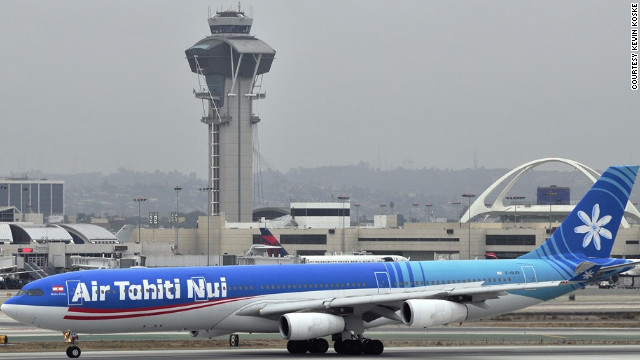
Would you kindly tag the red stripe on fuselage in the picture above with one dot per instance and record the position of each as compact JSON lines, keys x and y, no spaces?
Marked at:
{"x":140,"y":312}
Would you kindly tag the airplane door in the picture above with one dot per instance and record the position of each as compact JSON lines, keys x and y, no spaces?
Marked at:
{"x":72,"y":288}
{"x":384,"y":285}
{"x":529,"y":274}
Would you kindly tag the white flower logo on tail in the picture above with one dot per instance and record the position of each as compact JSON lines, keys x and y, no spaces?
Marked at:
{"x":593,"y":227}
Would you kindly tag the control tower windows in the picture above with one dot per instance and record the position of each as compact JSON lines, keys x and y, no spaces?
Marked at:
{"x":230,"y":29}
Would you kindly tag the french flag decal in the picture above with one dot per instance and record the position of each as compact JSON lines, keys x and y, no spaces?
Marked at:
{"x":57,"y":288}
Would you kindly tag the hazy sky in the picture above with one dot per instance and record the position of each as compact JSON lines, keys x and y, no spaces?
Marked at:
{"x":98,"y":85}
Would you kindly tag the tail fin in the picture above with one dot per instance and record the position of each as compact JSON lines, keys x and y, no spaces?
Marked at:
{"x":269,"y":239}
{"x":590,"y":229}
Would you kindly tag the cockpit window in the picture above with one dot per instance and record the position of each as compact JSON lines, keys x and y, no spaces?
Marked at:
{"x":30,"y":292}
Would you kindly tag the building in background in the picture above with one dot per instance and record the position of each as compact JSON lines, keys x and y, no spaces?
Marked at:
{"x":33,"y":196}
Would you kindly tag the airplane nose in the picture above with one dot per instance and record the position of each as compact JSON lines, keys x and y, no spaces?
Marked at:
{"x":8,"y":309}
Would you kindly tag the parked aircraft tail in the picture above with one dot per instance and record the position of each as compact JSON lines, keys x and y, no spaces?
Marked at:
{"x":269,"y":239}
{"x":124,"y":234}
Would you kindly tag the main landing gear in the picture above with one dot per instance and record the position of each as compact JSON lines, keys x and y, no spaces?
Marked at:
{"x":342,"y":347}
{"x":314,"y":346}
{"x":357,"y":346}
{"x":71,"y":337}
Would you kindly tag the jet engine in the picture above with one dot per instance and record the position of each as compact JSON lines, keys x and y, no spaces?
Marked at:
{"x":425,"y":312}
{"x":305,"y":326}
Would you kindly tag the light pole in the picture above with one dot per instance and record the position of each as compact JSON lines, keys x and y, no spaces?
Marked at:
{"x":344,"y":198}
{"x":469,"y":196}
{"x":515,"y":205}
{"x":177,"y":189}
{"x":139,"y":200}
{"x":428,"y":206}
{"x":208,"y":190}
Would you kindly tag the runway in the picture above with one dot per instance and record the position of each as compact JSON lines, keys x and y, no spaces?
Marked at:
{"x":449,"y":353}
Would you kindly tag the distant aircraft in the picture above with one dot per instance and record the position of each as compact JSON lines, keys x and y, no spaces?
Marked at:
{"x":124,"y":234}
{"x":271,"y":240}
{"x":635,"y":271}
{"x":306,"y":303}
{"x":273,"y":244}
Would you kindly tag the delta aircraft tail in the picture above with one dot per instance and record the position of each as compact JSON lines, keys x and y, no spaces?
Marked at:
{"x":271,"y":240}
{"x":587,"y":234}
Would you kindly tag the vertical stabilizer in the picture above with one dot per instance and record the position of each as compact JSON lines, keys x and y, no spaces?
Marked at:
{"x":590,"y":229}
{"x":269,"y":239}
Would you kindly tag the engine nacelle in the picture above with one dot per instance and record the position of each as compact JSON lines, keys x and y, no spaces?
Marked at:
{"x":425,"y":313}
{"x":305,"y":326}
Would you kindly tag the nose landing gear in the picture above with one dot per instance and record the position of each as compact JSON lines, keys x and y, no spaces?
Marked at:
{"x":71,"y":337}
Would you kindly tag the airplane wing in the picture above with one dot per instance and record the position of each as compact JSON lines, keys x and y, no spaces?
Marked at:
{"x":393,"y":300}
{"x":605,"y":269}
{"x":588,"y":271}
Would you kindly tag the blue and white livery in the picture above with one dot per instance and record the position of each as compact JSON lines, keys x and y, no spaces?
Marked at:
{"x":306,"y":303}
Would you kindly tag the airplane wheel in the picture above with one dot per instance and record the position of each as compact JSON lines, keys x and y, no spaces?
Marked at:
{"x":318,"y":346}
{"x":297,"y":346}
{"x":339,"y":347}
{"x":73,"y":352}
{"x":353,"y":347}
{"x":373,"y":347}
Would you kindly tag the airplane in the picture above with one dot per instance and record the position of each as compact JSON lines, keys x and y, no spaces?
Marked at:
{"x":274,"y":248}
{"x":270,"y":240}
{"x":634,"y":271}
{"x":306,"y":303}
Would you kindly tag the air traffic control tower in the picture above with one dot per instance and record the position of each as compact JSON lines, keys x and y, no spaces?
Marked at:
{"x":230,"y":64}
